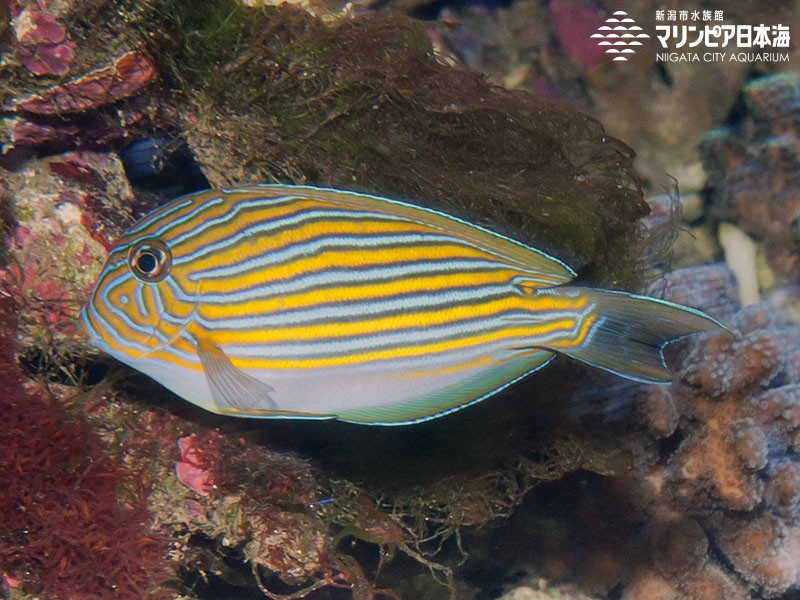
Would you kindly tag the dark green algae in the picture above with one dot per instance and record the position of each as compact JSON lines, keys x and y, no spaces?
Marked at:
{"x":364,"y":103}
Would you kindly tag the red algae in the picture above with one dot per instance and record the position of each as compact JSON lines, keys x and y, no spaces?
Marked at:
{"x":573,"y":25}
{"x":72,"y":518}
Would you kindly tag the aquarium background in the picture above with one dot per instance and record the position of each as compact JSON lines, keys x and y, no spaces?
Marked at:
{"x":673,"y":172}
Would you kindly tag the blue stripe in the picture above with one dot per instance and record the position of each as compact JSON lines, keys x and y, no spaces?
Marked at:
{"x":335,"y":312}
{"x":242,"y":206}
{"x":313,"y":247}
{"x":150,"y":219}
{"x":333,"y":278}
{"x":405,"y":338}
{"x":175,"y":222}
{"x":312,"y":191}
{"x":272,"y":226}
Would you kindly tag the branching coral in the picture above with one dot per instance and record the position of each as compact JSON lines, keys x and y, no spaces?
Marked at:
{"x":709,"y":507}
{"x":754,"y":168}
{"x":738,"y":429}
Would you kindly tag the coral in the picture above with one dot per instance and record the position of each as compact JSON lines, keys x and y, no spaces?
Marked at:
{"x":709,"y":507}
{"x":734,"y":470}
{"x":685,"y":491}
{"x":753,"y":168}
{"x":97,"y":101}
{"x":548,"y":50}
{"x":357,"y":94}
{"x":782,"y":486}
{"x":763,"y":550}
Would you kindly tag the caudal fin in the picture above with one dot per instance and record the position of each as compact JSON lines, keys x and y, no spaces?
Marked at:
{"x":631,"y":332}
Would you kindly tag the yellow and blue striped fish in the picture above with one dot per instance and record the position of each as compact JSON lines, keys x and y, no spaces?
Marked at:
{"x":288,"y":301}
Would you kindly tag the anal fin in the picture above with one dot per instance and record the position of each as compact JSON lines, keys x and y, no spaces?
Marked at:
{"x":268,"y":413}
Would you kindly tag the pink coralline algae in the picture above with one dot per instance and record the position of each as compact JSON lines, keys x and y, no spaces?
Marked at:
{"x":124,"y":77}
{"x":192,"y":467}
{"x":90,"y":108}
{"x":27,"y":133}
{"x":59,"y":233}
{"x":42,"y":44}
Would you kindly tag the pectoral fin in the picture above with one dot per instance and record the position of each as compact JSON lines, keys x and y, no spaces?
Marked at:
{"x":238,"y":394}
{"x":233,"y":390}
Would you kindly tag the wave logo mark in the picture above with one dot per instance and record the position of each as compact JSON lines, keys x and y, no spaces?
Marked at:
{"x":619,"y":33}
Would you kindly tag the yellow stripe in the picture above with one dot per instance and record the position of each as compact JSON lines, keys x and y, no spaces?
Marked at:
{"x":352,"y":294}
{"x":403,"y":352}
{"x":580,"y":338}
{"x":265,"y":244}
{"x":219,"y":210}
{"x":347,"y":258}
{"x":408,"y":320}
{"x":423,"y":350}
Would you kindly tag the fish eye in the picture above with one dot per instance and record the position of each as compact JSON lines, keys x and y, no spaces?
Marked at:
{"x":150,"y":260}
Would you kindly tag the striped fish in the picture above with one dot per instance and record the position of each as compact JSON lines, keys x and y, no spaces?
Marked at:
{"x":288,"y":301}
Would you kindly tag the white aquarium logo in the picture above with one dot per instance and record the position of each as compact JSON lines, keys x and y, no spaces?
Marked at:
{"x":696,"y":36}
{"x":620,"y":34}
{"x":702,"y":36}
